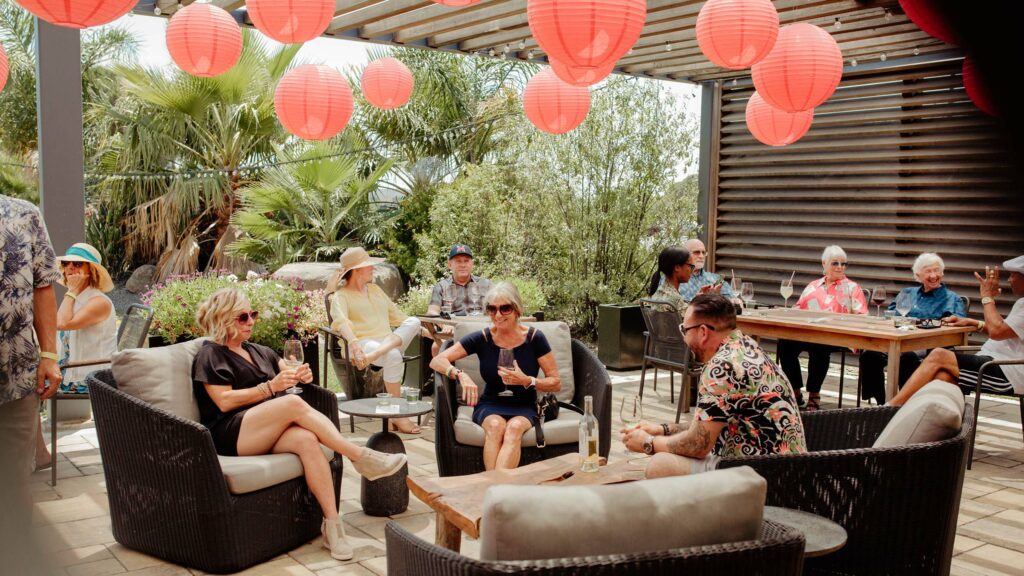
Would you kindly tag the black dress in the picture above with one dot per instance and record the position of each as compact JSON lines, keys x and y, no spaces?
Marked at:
{"x":216,"y":364}
{"x":523,"y":401}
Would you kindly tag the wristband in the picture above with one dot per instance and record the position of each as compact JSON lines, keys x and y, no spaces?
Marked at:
{"x":981,"y":326}
{"x":49,"y":356}
{"x":70,"y":295}
{"x":533,"y":382}
{"x":664,"y":429}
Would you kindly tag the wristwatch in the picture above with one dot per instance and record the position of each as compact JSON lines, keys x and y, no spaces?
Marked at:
{"x":987,"y":300}
{"x":533,"y":382}
{"x":649,"y":445}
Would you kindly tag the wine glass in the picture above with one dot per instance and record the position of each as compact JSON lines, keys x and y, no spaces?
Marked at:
{"x":473,"y":293}
{"x":904,"y":303}
{"x":506,"y":359}
{"x":786,"y":290}
{"x":631,"y":412}
{"x":447,"y":299}
{"x":736,"y":284}
{"x":878,"y":297}
{"x":747,"y":292}
{"x":845,"y":299}
{"x":292,"y":360}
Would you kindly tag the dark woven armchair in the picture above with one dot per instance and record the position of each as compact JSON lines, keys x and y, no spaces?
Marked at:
{"x":779,"y":552}
{"x":168,"y":497}
{"x":455,"y":459}
{"x":898,"y":505}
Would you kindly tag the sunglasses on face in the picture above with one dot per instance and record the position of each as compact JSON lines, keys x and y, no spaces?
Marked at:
{"x":245,"y":316}
{"x":72,"y":264}
{"x":838,"y":264}
{"x":505,"y":309}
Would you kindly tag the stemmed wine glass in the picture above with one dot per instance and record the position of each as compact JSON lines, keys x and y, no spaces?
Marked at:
{"x":878,"y":297}
{"x":786,"y":290}
{"x":473,"y":293}
{"x":447,"y":299}
{"x":631,"y":412}
{"x":904,"y":303}
{"x":747,"y":292}
{"x":292,"y":361}
{"x":506,"y":359}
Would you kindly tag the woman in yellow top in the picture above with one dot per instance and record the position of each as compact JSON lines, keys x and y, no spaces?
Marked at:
{"x":364,"y":315}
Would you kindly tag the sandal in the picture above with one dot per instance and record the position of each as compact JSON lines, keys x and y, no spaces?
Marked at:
{"x":396,"y":426}
{"x":814,"y":402}
{"x":799,"y":397}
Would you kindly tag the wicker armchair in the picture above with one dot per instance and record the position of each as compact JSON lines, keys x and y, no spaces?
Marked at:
{"x":779,"y":551}
{"x":455,"y":459}
{"x":168,"y":497}
{"x":899,"y":506}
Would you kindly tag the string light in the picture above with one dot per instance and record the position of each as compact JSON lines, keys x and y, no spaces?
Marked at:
{"x":883,"y":57}
{"x":839,"y":23}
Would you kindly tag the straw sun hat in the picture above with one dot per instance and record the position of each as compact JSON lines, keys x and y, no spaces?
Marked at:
{"x":83,"y":252}
{"x":356,"y":257}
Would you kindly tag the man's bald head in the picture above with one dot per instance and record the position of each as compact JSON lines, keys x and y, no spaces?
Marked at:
{"x":696,"y":247}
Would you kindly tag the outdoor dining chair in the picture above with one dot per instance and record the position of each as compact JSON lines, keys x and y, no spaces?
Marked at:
{"x":982,"y":372}
{"x":664,"y":348}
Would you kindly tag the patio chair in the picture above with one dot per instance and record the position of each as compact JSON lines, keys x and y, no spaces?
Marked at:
{"x":985,"y":368}
{"x":777,"y":552}
{"x":664,"y":348}
{"x":899,"y":505}
{"x":172,"y":496}
{"x":589,"y":378}
{"x":131,"y":333}
{"x":355,"y":383}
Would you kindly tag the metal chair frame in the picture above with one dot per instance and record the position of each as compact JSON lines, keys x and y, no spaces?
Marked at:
{"x":673,"y":341}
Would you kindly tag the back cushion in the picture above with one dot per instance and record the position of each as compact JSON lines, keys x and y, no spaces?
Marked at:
{"x":161,"y":376}
{"x":558,"y":337}
{"x":538,"y":522}
{"x":933,"y":413}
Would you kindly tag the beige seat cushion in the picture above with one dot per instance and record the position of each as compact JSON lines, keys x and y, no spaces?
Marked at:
{"x":564,"y":430}
{"x":934,"y":413}
{"x":161,"y":376}
{"x":558,"y":337}
{"x":245,"y":474}
{"x":538,"y":522}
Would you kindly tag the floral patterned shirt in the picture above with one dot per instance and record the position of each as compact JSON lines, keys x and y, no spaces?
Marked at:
{"x":27,"y":262}
{"x":744,"y":389}
{"x":818,"y":296}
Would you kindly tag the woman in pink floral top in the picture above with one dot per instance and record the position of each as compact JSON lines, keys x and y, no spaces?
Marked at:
{"x":833,"y":292}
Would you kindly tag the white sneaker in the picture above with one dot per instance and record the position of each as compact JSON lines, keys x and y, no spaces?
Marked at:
{"x":334,"y":539}
{"x":373,"y":464}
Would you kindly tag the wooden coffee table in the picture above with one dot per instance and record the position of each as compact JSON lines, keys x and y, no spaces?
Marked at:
{"x":458,"y":500}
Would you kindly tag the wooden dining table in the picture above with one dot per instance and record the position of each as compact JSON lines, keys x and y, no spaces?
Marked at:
{"x":855,"y":331}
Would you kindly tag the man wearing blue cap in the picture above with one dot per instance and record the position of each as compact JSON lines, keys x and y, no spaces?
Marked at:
{"x":462,"y":287}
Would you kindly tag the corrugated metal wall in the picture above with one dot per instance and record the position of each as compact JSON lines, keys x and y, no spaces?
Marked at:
{"x":897,"y":162}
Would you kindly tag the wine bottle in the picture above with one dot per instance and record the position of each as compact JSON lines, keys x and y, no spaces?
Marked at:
{"x":588,"y":437}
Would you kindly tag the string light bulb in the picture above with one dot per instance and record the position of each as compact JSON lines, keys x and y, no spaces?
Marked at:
{"x":838,"y":24}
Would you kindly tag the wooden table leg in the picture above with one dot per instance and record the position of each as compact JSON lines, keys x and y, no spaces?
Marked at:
{"x":448,"y":535}
{"x":892,"y":374}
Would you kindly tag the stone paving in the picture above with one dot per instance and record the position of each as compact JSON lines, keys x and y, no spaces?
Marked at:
{"x":73,"y":524}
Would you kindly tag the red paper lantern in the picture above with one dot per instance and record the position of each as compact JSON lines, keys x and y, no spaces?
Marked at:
{"x":3,"y":67}
{"x":735,"y":34}
{"x":78,"y":13}
{"x":387,"y":83}
{"x":586,"y":34}
{"x":932,"y":20}
{"x":456,"y":2}
{"x":291,"y":21}
{"x":554,"y":106}
{"x":204,"y":40}
{"x":977,"y":89}
{"x":776,"y":127}
{"x":802,"y":70}
{"x":313,"y":102}
{"x":580,"y":76}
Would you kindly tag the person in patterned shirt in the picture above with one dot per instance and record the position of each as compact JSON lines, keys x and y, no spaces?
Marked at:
{"x":745,"y":404}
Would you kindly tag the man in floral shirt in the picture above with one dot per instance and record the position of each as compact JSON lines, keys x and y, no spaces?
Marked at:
{"x":745,"y":404}
{"x":28,"y":370}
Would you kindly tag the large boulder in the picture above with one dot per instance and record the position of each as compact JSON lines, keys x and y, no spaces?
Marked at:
{"x":316,"y":275}
{"x":142,"y":277}
{"x":388,"y":277}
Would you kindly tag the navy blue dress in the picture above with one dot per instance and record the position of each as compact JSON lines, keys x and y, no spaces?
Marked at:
{"x":523,"y":401}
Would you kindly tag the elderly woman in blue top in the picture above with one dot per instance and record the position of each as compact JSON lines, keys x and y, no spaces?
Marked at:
{"x":932,"y":300}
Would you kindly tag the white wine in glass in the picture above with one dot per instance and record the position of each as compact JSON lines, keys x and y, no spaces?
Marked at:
{"x":786,"y":290}
{"x":292,"y":361}
{"x":631,"y":412}
{"x":506,"y":359}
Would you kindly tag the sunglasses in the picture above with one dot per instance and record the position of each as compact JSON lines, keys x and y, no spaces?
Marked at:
{"x":72,"y":264}
{"x":244,"y":316}
{"x":505,"y":309}
{"x":839,"y":264}
{"x":685,"y":329}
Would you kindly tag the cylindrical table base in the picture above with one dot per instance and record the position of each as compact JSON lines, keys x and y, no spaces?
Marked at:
{"x":389,"y":495}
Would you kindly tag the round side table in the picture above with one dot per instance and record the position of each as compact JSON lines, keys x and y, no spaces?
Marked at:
{"x":389,"y":495}
{"x":823,"y":536}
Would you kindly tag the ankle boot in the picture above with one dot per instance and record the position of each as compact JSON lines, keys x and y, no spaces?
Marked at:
{"x":373,"y":465}
{"x":334,"y":539}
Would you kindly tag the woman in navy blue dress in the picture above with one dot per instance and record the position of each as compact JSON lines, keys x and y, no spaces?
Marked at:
{"x":504,"y":418}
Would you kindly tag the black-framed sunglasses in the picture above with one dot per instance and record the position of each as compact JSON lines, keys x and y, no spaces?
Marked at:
{"x":838,"y":264}
{"x":244,"y":316}
{"x":505,"y":309}
{"x":685,"y":329}
{"x":72,"y":264}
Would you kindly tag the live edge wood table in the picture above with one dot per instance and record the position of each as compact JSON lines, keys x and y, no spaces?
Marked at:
{"x":458,"y":500}
{"x":856,"y":331}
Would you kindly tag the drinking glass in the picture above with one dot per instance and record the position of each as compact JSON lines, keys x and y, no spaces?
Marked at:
{"x":904,"y":303}
{"x":473,"y":293}
{"x":292,"y":360}
{"x":447,"y":299}
{"x":736,"y":284}
{"x":786,"y":290}
{"x":506,"y":359}
{"x":747,"y":292}
{"x":631,"y":412}
{"x":878,"y":297}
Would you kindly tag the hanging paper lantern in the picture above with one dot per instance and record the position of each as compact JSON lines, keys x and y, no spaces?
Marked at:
{"x":776,"y":127}
{"x":802,"y":70}
{"x":291,"y":21}
{"x":204,"y":40}
{"x":977,"y":89}
{"x":78,"y":13}
{"x":313,"y":102}
{"x":554,"y":106}
{"x":387,"y":83}
{"x":735,"y":34}
{"x":931,"y":19}
{"x":3,"y":67}
{"x":586,"y":34}
{"x":456,"y":2}
{"x":580,"y":76}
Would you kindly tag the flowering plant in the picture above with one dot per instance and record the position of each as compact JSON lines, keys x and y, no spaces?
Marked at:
{"x":286,"y":309}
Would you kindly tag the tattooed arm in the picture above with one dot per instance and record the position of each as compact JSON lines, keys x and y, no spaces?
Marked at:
{"x":695,"y":442}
